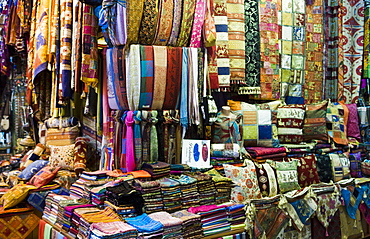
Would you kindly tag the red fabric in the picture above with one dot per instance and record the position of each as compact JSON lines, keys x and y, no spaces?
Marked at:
{"x":307,"y":171}
{"x":260,"y":151}
{"x":353,"y":129}
{"x":318,"y":230}
{"x":41,"y":229}
{"x":44,"y":176}
{"x":174,"y":56}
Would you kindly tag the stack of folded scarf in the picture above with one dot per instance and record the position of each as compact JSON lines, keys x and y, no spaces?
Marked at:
{"x":171,"y":193}
{"x":106,"y":215}
{"x":223,"y":186}
{"x":206,"y":188}
{"x":236,"y":214}
{"x":124,"y":211}
{"x":96,"y":190}
{"x":78,"y":190}
{"x":172,"y":226}
{"x":112,"y":230}
{"x":76,"y":216}
{"x":214,"y":218}
{"x":122,"y":194}
{"x":191,"y":224}
{"x":51,"y":210}
{"x":152,"y":195}
{"x":37,"y":199}
{"x":261,"y":154}
{"x":189,"y":191}
{"x":179,"y":168}
{"x":141,"y":175}
{"x":147,"y":227}
{"x":66,"y":221}
{"x":157,"y":170}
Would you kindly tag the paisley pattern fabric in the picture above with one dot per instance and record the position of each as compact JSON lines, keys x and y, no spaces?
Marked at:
{"x":149,"y":22}
{"x":188,"y":11}
{"x":134,"y":15}
{"x":165,"y":23}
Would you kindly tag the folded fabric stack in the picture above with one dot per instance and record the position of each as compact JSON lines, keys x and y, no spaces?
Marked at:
{"x":236,"y":216}
{"x":147,"y":227}
{"x":157,"y":170}
{"x":206,"y":188}
{"x":123,"y":194}
{"x":96,"y":190}
{"x":66,"y":220}
{"x":171,"y":193}
{"x":261,"y":154}
{"x":76,"y":216}
{"x":172,"y":226}
{"x":124,"y":211}
{"x":112,"y":230}
{"x":214,"y":218}
{"x":179,"y":168}
{"x":63,"y":219}
{"x":189,"y":191}
{"x":51,"y":209}
{"x":106,"y":215}
{"x":152,"y":195}
{"x":191,"y":224}
{"x":78,"y":188}
{"x":217,"y":162}
{"x":37,"y":199}
{"x":222,"y":185}
{"x":141,"y":175}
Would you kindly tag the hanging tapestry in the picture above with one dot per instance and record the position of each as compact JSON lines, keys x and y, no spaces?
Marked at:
{"x":352,"y":40}
{"x":236,"y":34}
{"x":314,"y":53}
{"x":270,"y":55}
{"x":252,"y":46}
{"x":134,"y":14}
{"x":222,"y":43}
{"x":331,"y":49}
{"x":292,"y":47}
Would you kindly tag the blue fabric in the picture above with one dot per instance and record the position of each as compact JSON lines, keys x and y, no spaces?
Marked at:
{"x":144,"y":223}
{"x":303,"y":210}
{"x":37,"y":199}
{"x":352,"y":208}
{"x":289,"y":100}
{"x":184,"y":90}
{"x":32,"y":169}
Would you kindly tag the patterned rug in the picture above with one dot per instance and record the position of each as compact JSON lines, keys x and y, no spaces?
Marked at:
{"x":18,"y":226}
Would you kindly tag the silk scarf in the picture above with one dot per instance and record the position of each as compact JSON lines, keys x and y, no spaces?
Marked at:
{"x":160,"y":75}
{"x":184,"y":120}
{"x":193,"y":104}
{"x":186,"y":22}
{"x":133,"y":77}
{"x":137,"y":139}
{"x":173,"y":78}
{"x":149,"y":22}
{"x":153,"y":136}
{"x":164,"y":22}
{"x":119,"y":81}
{"x":134,"y":14}
{"x":200,"y":11}
{"x":112,"y":97}
{"x":147,"y":77}
{"x":176,"y":23}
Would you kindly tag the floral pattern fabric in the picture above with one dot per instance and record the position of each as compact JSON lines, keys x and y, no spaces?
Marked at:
{"x":62,"y":156}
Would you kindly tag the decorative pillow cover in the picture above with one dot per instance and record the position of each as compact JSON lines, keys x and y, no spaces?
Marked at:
{"x":324,"y":168}
{"x":315,"y":122}
{"x":32,"y":169}
{"x":290,"y":123}
{"x":62,"y":156}
{"x":336,"y":121}
{"x":287,"y":175}
{"x":355,"y":165}
{"x":267,"y":180}
{"x":15,"y":195}
{"x":44,"y":176}
{"x":307,"y":170}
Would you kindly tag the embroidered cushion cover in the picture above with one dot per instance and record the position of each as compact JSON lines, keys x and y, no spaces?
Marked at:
{"x":315,"y":122}
{"x":307,"y":170}
{"x":290,"y":123}
{"x":62,"y":156}
{"x":32,"y":169}
{"x":287,"y":175}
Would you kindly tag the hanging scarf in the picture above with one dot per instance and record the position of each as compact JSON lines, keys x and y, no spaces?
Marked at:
{"x":165,"y":22}
{"x":176,"y":23}
{"x":186,"y":22}
{"x":119,"y":77}
{"x":145,"y":132}
{"x":130,"y":146}
{"x":89,"y":64}
{"x":173,"y":81}
{"x":160,"y":75}
{"x":149,"y":22}
{"x":199,"y":17}
{"x":112,"y":97}
{"x":153,"y":136}
{"x":193,"y":103}
{"x":133,"y":77}
{"x":137,"y":140}
{"x":134,"y":15}
{"x":122,"y":144}
{"x":147,"y":77}
{"x":184,"y":89}
{"x":209,"y":25}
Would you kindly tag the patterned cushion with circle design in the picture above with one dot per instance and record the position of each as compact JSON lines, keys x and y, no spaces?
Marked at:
{"x":62,"y":156}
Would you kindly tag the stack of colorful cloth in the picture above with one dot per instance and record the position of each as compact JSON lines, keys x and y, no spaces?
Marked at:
{"x":206,"y":188}
{"x":106,"y":215}
{"x":189,"y":191}
{"x":76,"y":216}
{"x":152,"y":195}
{"x":124,"y":211}
{"x":37,"y":199}
{"x":261,"y":154}
{"x":96,"y":190}
{"x":179,"y":168}
{"x":222,"y":185}
{"x":122,"y":194}
{"x":157,"y":170}
{"x":214,"y":218}
{"x":66,"y":221}
{"x":112,"y":230}
{"x":172,"y":226}
{"x":147,"y":227}
{"x":191,"y":224}
{"x":51,"y":210}
{"x":171,"y":193}
{"x":236,"y":216}
{"x":141,"y":175}
{"x":78,"y":190}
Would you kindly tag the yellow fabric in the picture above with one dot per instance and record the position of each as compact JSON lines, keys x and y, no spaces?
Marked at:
{"x":15,"y":195}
